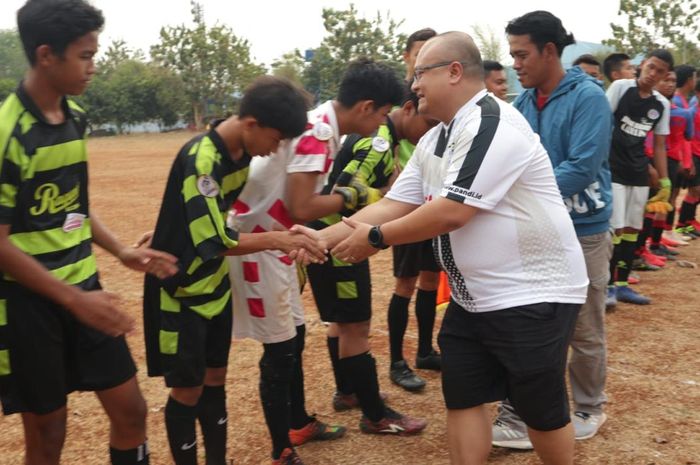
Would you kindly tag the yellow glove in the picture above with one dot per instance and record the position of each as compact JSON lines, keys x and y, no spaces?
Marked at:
{"x":365,"y":195}
{"x":350,"y":196}
{"x":659,"y":202}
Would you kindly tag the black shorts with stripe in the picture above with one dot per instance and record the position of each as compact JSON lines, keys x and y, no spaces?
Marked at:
{"x":411,"y":259}
{"x":343,"y":291}
{"x":45,"y":353}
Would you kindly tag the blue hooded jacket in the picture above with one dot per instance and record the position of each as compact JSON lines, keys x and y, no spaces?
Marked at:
{"x":575,"y":127}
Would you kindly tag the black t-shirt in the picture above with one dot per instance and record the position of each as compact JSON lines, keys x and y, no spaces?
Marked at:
{"x":635,"y":117}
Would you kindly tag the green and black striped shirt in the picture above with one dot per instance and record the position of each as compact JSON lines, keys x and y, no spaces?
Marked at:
{"x":44,"y":188}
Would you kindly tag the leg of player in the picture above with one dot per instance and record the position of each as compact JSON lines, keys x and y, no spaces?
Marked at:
{"x":400,"y":373}
{"x":469,"y":435}
{"x":212,"y":416}
{"x":180,"y":423}
{"x":554,"y":447}
{"x":126,"y":409}
{"x":427,"y":357}
{"x":44,"y":436}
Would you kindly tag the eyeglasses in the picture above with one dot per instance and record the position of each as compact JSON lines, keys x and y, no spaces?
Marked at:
{"x":420,"y":70}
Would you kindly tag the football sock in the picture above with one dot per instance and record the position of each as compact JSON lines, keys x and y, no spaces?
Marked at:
{"x":211,"y":412}
{"x":397,"y":319}
{"x":276,"y":367}
{"x":182,"y":436}
{"x":363,"y":369}
{"x":425,"y":316}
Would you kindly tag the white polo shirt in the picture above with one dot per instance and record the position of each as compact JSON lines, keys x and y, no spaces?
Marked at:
{"x":520,"y":248}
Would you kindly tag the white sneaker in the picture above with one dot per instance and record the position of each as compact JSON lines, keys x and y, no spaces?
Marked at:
{"x":510,"y":434}
{"x":674,"y":235}
{"x":586,"y":425}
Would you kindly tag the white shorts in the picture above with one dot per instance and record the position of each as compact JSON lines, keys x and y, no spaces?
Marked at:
{"x":266,"y":300}
{"x":629,"y":203}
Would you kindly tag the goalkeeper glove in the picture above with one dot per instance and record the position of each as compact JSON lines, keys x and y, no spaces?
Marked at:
{"x":365,"y":195}
{"x":350,"y":196}
{"x":659,"y":202}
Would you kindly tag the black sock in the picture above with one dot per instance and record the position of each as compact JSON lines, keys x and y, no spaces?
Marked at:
{"x":135,"y":456}
{"x":211,"y":412}
{"x":363,"y":370}
{"x":627,"y":257}
{"x":425,"y":315}
{"x":657,"y":229}
{"x":182,"y":436}
{"x":275,"y":385}
{"x":299,"y":417}
{"x":397,"y":318}
{"x":687,"y":213}
{"x":341,"y":383}
{"x":670,"y":216}
{"x":614,"y":262}
{"x":645,"y":232}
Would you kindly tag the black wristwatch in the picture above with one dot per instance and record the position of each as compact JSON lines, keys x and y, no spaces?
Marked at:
{"x":376,"y":238}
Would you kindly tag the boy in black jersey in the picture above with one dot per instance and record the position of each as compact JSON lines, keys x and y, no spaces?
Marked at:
{"x":637,"y":109}
{"x":59,"y":332}
{"x":187,"y":318}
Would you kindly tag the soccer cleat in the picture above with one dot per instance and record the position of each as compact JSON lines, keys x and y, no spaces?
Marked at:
{"x":633,"y":278}
{"x":402,"y":375}
{"x":695,"y":224}
{"x":510,"y":434}
{"x":682,"y":231}
{"x":691,"y":231}
{"x":672,"y":239}
{"x":611,"y":297}
{"x":288,"y":457}
{"x":393,"y":423}
{"x":429,"y":362}
{"x":629,"y":295}
{"x":342,"y":402}
{"x":653,"y":259}
{"x":663,"y":251}
{"x":315,"y":431}
{"x":641,"y":264}
{"x":586,"y":425}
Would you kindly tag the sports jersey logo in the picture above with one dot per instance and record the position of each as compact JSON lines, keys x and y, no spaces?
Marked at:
{"x":380,"y":144}
{"x":52,"y":201}
{"x":322,"y":131}
{"x":207,"y":186}
{"x":653,"y":114}
{"x":73,"y":221}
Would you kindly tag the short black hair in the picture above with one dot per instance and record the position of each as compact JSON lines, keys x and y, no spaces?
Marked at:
{"x":420,"y":35}
{"x":613,"y":63}
{"x":276,"y":103}
{"x":588,"y":59}
{"x":56,"y":23}
{"x":542,"y":27}
{"x":410,"y":95}
{"x":365,"y":79}
{"x":663,"y":55}
{"x":683,"y":74}
{"x":490,"y":65}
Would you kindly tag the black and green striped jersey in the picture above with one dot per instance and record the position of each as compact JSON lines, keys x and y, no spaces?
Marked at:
{"x":369,"y":158}
{"x":202,"y":185}
{"x":44,"y":188}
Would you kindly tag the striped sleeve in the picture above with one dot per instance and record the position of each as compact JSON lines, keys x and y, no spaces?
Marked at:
{"x":9,"y":156}
{"x":310,"y":154}
{"x":202,"y":194}
{"x":371,"y":160}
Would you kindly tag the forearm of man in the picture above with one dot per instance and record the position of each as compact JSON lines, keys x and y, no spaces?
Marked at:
{"x":31,"y":274}
{"x":255,"y":242}
{"x":432,"y":219}
{"x":379,"y":212}
{"x":104,"y":237}
{"x":304,"y":204}
{"x":660,"y":157}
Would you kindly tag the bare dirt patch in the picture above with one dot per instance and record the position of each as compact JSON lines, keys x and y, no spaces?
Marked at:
{"x":654,"y":356}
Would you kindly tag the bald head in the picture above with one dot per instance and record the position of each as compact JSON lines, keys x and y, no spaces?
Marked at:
{"x":454,"y":46}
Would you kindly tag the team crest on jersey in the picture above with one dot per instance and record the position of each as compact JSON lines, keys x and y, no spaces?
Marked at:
{"x":73,"y":221}
{"x":653,"y":114}
{"x":380,"y":144}
{"x":207,"y":186}
{"x":322,"y":131}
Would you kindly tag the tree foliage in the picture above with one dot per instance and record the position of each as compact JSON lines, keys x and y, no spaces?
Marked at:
{"x":214,"y":64}
{"x":289,"y":66}
{"x":349,"y":37}
{"x":650,"y":24}
{"x":490,"y":45}
{"x":12,"y":62}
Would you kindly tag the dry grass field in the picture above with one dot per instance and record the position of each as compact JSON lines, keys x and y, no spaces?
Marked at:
{"x":654,"y":356}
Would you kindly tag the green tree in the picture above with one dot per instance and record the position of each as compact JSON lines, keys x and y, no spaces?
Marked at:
{"x":214,"y":64}
{"x":290,"y":66}
{"x":13,"y":63}
{"x":649,"y":24}
{"x":490,"y":45}
{"x":349,"y":37}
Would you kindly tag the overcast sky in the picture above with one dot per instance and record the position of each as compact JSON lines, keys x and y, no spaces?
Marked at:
{"x":275,"y":27}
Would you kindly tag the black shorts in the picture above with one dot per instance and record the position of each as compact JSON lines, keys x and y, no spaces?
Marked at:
{"x":411,"y":259}
{"x":518,"y":353}
{"x":695,"y":180}
{"x":343,"y":291}
{"x":190,"y":343}
{"x":678,"y":181}
{"x":45,"y":353}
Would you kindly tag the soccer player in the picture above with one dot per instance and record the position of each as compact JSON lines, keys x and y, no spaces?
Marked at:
{"x":414,"y":266}
{"x":618,"y":66}
{"x":495,"y":79}
{"x":284,"y":189}
{"x":637,"y":109}
{"x":590,"y":65}
{"x":569,"y":112}
{"x":59,"y":332}
{"x":479,"y":180}
{"x":187,"y":318}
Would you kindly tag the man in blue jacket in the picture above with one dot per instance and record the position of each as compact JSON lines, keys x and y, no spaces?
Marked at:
{"x":569,"y":111}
